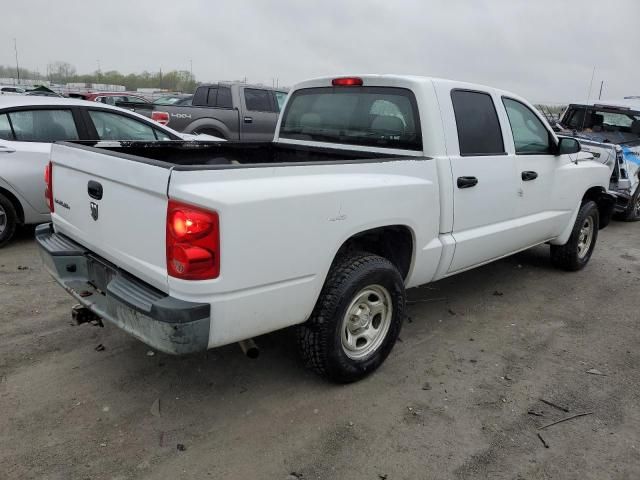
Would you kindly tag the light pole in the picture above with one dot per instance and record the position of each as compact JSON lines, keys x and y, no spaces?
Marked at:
{"x":15,"y":47}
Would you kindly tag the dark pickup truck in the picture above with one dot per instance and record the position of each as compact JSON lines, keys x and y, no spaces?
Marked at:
{"x":233,"y":111}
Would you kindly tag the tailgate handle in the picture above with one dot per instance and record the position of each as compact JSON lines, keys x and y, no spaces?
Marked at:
{"x":94,"y":189}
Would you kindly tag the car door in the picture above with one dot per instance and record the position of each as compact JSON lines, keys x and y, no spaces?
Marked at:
{"x":26,"y":146}
{"x":484,"y":179}
{"x":260,"y":115}
{"x":544,"y":205}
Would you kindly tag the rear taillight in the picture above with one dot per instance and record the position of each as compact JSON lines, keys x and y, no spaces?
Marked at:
{"x":193,"y":242}
{"x":161,"y":117}
{"x":48,"y":189}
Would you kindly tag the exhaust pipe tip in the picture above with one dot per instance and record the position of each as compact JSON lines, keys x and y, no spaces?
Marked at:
{"x":249,"y":348}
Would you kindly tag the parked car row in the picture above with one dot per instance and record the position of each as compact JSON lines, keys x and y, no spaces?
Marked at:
{"x":110,"y":98}
{"x":370,"y":185}
{"x":233,"y":111}
{"x":28,"y":126}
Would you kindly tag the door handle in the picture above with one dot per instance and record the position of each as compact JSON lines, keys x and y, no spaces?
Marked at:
{"x":7,"y":150}
{"x":94,"y":189}
{"x":248,"y":119}
{"x":528,"y":176}
{"x":467,"y":182}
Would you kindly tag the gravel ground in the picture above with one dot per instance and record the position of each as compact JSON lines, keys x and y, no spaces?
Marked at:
{"x":459,"y":396}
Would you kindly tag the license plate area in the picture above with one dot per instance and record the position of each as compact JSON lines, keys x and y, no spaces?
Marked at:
{"x":100,"y":273}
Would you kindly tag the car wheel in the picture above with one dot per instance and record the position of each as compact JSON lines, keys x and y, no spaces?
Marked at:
{"x":8,"y":220}
{"x":356,"y":320}
{"x":633,"y":212}
{"x":575,"y":254}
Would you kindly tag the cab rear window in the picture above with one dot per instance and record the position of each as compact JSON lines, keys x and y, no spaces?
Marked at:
{"x":367,"y":116}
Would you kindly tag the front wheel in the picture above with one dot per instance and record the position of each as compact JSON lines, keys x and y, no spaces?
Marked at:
{"x":356,"y":320}
{"x":575,"y":254}
{"x":633,"y":213}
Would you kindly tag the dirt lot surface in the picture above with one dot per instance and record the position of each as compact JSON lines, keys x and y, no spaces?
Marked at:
{"x":459,"y":397}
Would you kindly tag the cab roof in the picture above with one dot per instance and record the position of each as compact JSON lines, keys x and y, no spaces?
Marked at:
{"x":406,"y":81}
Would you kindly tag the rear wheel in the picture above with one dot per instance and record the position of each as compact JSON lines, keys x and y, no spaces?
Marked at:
{"x":575,"y":254}
{"x":8,"y":220}
{"x":356,"y":320}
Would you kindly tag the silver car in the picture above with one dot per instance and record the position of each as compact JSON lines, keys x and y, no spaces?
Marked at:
{"x":28,"y":126}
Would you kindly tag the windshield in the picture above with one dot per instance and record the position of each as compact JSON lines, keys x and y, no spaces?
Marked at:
{"x":173,"y":100}
{"x":623,"y":125}
{"x":367,"y":116}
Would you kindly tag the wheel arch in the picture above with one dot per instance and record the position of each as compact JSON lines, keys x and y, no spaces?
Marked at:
{"x":209,"y":124}
{"x":16,"y":203}
{"x":396,"y":243}
{"x":604,"y":201}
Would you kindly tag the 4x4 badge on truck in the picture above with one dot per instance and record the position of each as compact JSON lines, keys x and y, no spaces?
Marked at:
{"x":94,"y":210}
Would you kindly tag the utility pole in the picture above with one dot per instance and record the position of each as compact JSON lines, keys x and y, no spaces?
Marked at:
{"x":191,"y":68}
{"x":15,"y":47}
{"x":600,"y":95}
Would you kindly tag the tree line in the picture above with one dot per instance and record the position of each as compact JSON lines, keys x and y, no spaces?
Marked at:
{"x":63,"y":72}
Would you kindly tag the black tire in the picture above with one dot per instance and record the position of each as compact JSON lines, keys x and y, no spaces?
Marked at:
{"x":570,"y":256}
{"x":9,"y":220}
{"x":320,"y":338}
{"x":633,"y":212}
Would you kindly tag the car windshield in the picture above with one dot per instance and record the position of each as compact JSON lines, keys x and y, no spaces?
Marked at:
{"x":622,"y":123}
{"x":367,"y":116}
{"x":173,"y":100}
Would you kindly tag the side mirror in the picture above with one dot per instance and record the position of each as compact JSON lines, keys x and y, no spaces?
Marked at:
{"x":568,"y":145}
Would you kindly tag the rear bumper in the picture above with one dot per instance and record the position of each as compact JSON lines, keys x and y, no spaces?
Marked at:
{"x":165,"y":323}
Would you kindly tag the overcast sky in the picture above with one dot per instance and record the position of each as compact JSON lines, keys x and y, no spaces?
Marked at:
{"x":542,"y":49}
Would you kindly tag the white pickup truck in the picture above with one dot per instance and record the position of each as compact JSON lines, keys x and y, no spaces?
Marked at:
{"x":372,"y":184}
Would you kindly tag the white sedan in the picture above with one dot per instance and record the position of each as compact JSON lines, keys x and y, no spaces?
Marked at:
{"x":28,"y":126}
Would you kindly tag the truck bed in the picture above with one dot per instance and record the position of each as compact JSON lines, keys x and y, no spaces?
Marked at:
{"x":185,"y":155}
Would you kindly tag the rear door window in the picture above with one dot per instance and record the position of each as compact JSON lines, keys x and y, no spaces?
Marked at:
{"x":5,"y":128}
{"x":113,"y":126}
{"x":477,"y":123}
{"x":258,"y":100}
{"x":43,"y":125}
{"x":367,"y":116}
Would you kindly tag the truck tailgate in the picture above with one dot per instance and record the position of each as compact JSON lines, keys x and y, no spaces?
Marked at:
{"x":114,"y":206}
